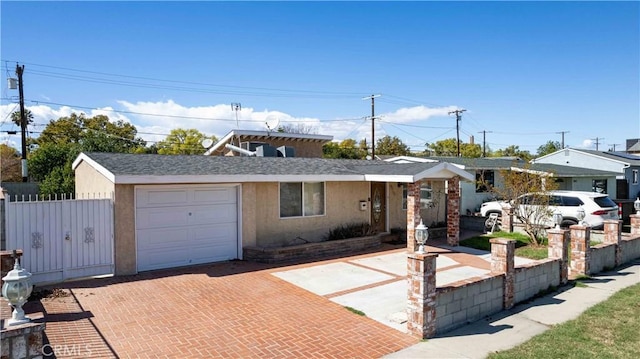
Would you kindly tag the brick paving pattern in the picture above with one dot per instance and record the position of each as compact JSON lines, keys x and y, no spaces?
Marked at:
{"x":225,"y":310}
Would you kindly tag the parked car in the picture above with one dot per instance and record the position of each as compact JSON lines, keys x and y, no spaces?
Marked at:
{"x":597,"y":206}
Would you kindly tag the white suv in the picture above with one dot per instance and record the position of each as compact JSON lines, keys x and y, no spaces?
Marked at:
{"x":597,"y":207}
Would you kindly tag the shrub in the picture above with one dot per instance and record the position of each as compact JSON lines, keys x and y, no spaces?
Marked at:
{"x":351,"y":230}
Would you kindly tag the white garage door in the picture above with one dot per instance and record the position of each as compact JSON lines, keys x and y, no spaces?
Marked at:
{"x":185,"y":225}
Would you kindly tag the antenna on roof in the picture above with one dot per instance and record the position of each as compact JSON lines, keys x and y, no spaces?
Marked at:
{"x":272,"y":123}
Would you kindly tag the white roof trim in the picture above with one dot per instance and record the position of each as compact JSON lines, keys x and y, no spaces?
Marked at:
{"x":103,"y":171}
{"x":409,"y":159}
{"x":233,"y":133}
{"x":540,"y":173}
{"x":445,"y":170}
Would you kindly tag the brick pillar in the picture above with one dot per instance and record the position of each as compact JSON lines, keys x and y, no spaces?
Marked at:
{"x":507,"y":220}
{"x":453,"y":211}
{"x":421,"y":308}
{"x":413,"y":214}
{"x":502,"y":262}
{"x":559,"y":249}
{"x":613,"y":235}
{"x":635,"y":224}
{"x":580,"y":249}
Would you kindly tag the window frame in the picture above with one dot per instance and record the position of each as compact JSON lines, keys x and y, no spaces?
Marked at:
{"x":424,"y":202}
{"x":481,"y":175}
{"x":302,"y":199}
{"x":634,"y":176}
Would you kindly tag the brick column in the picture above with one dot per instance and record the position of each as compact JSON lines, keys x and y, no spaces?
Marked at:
{"x":559,"y":249}
{"x":613,"y":235}
{"x":421,"y":309}
{"x":580,"y":249}
{"x":507,"y":220}
{"x":635,"y":224}
{"x":502,"y":262}
{"x":413,"y":214}
{"x":453,"y":211}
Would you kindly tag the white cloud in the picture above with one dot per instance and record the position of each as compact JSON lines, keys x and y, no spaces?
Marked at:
{"x":416,"y":113}
{"x":587,"y":144}
{"x":154,"y":120}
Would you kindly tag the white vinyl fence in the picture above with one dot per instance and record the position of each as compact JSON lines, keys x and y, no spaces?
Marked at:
{"x":62,"y":239}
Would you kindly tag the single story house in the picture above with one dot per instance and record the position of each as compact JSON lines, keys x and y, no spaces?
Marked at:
{"x":626,"y":166}
{"x":487,"y":169}
{"x":178,"y":210}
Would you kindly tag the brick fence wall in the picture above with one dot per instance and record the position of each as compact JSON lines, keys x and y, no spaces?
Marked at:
{"x":466,"y":301}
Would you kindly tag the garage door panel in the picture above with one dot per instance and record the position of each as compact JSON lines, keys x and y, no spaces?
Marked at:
{"x":222,"y":213}
{"x":213,"y":195}
{"x":149,"y":218}
{"x":163,"y":239}
{"x":157,"y":198}
{"x":158,"y":259}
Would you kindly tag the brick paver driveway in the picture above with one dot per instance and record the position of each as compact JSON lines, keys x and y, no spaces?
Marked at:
{"x":231,"y":310}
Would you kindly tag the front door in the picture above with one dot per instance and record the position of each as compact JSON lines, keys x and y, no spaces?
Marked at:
{"x":378,"y":206}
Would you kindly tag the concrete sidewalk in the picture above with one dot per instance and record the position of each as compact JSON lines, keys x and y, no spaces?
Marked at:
{"x":510,"y":328}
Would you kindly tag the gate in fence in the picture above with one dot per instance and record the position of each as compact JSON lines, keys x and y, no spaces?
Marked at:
{"x":61,"y":239}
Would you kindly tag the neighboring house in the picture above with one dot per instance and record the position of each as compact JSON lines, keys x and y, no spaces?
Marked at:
{"x":302,"y":145}
{"x":633,"y":146}
{"x":178,"y":210}
{"x":487,"y":170}
{"x":625,"y":165}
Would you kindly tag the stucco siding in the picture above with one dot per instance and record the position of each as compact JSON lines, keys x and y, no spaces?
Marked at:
{"x":125,"y":230}
{"x":342,"y":207}
{"x":579,"y":159}
{"x":91,"y":182}
{"x":248,"y":214}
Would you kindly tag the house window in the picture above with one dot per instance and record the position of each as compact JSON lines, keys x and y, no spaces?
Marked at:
{"x":634,"y":175}
{"x":426,"y":195}
{"x":484,"y":180}
{"x":301,"y":199}
{"x":599,"y":185}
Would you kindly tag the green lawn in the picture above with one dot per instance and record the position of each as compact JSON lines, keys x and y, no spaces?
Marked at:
{"x":523,"y":247}
{"x":610,"y":329}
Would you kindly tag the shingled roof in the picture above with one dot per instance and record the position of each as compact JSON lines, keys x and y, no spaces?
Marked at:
{"x":150,"y":168}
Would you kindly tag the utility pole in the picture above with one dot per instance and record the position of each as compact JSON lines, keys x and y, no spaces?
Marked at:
{"x":23,"y":122}
{"x":373,"y":127}
{"x":614,"y":146}
{"x":458,"y":113}
{"x":484,"y":142}
{"x":597,"y":139}
{"x":563,"y":132}
{"x":236,"y":106}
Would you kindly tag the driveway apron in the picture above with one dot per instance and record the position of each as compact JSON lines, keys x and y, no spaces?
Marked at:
{"x":226,"y":310}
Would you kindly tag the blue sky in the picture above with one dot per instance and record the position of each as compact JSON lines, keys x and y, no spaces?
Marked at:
{"x":524,"y":71}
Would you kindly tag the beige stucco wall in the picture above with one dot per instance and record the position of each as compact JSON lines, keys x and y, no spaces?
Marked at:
{"x":125,"y":230}
{"x":91,"y":182}
{"x":342,"y":207}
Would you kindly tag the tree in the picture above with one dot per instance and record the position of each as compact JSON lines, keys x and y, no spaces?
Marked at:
{"x":62,"y":140}
{"x":549,"y":147}
{"x":527,"y":193}
{"x":183,"y":142}
{"x":10,"y":168}
{"x":15,"y":117}
{"x":449,"y":147}
{"x":388,"y":145}
{"x":95,"y":134}
{"x":345,"y":149}
{"x":298,"y":128}
{"x":513,"y":151}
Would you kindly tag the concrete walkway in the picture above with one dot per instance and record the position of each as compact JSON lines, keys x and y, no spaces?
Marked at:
{"x":513,"y":327}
